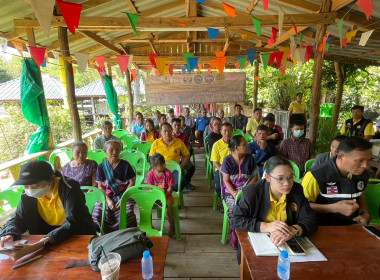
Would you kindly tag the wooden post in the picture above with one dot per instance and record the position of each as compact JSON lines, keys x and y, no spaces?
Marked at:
{"x":130,"y":98}
{"x":317,"y":79}
{"x":93,"y":108}
{"x":339,"y":93}
{"x":255,"y":85}
{"x":70,"y":87}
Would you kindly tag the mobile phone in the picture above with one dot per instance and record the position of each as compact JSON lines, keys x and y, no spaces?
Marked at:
{"x":295,"y":247}
{"x":372,"y":230}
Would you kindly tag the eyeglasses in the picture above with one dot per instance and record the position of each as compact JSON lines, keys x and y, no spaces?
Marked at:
{"x":283,"y":180}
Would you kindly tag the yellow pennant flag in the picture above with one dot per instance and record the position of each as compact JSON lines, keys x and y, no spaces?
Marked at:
{"x":351,"y":34}
{"x":161,"y":64}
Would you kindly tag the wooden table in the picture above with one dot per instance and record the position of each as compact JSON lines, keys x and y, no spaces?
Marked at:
{"x":51,"y":265}
{"x":352,"y":253}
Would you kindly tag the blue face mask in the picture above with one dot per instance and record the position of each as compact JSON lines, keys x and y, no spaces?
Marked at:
{"x":298,"y":133}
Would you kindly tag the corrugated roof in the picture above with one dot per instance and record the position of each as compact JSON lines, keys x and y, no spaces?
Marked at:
{"x":96,"y":89}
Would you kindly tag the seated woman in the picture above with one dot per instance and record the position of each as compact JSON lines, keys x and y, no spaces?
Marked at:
{"x":81,"y":169}
{"x":239,"y":170}
{"x":114,"y":176}
{"x":150,"y":134}
{"x":275,"y":204}
{"x":50,"y":205}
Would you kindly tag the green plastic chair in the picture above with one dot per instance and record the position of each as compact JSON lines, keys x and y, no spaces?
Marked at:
{"x":237,"y":132}
{"x":119,"y":132}
{"x":128,"y":140}
{"x":238,"y":196}
{"x":248,"y":138}
{"x":208,"y":164}
{"x":296,"y":170}
{"x":64,"y":155}
{"x":205,"y":140}
{"x":97,"y":154}
{"x":174,"y":166}
{"x":137,"y":159}
{"x":10,"y":198}
{"x":144,"y":147}
{"x":309,"y":164}
{"x":372,"y":195}
{"x":96,"y":195}
{"x":225,"y":214}
{"x":145,"y":197}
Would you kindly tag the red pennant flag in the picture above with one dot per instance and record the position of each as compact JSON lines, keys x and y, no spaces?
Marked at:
{"x":270,"y":41}
{"x":272,"y":57}
{"x":309,"y":52}
{"x":366,"y":7}
{"x":279,"y":56}
{"x":171,"y":68}
{"x":237,"y":66}
{"x":265,"y":4}
{"x":274,"y":34}
{"x":100,"y":61}
{"x":71,"y":14}
{"x":282,"y":70}
{"x":133,"y":74}
{"x":209,"y":70}
{"x":295,"y":28}
{"x":38,"y":54}
{"x":344,"y":42}
{"x":123,"y":61}
{"x":229,"y":10}
{"x":152,"y":59}
{"x":149,"y":68}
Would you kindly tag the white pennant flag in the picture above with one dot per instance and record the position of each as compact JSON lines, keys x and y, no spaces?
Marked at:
{"x":43,"y":9}
{"x":364,"y":38}
{"x":82,"y":60}
{"x":56,"y":55}
{"x":302,"y":52}
{"x":293,"y":47}
{"x":3,"y":43}
{"x":281,"y":14}
{"x":130,"y":62}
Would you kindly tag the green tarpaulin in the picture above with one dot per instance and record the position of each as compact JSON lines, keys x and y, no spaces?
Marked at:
{"x":33,"y":106}
{"x":112,"y":100}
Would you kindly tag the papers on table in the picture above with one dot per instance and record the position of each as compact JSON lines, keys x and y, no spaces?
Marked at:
{"x":262,"y":246}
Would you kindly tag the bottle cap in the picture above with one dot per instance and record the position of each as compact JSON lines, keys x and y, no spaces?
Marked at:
{"x":284,"y":254}
{"x":146,"y":254}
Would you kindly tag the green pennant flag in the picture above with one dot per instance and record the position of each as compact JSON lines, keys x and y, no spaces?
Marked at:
{"x":265,"y":59}
{"x":242,"y":60}
{"x":301,"y":38}
{"x":187,"y":56}
{"x":340,"y":26}
{"x":257,"y":24}
{"x":133,"y":21}
{"x":327,"y":45}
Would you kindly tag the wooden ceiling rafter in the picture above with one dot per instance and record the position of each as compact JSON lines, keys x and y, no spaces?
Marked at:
{"x":191,"y":12}
{"x":101,"y":41}
{"x":132,"y":6}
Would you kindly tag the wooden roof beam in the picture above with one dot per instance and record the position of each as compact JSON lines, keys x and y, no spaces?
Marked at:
{"x":251,"y":6}
{"x":132,"y":6}
{"x":366,"y":54}
{"x":191,"y":12}
{"x":101,"y":41}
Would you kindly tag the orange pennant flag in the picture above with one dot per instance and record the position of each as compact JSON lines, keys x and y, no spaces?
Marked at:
{"x":18,"y":46}
{"x":256,"y":78}
{"x":220,"y":53}
{"x":229,"y":10}
{"x":180,"y":23}
{"x":221,"y":65}
{"x":214,"y":63}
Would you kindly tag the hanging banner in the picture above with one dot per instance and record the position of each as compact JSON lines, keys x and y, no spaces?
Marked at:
{"x":195,"y":88}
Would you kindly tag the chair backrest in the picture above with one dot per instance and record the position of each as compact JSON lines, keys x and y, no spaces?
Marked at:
{"x":60,"y":157}
{"x":174,"y":166}
{"x":145,"y":197}
{"x":238,"y":196}
{"x":97,"y":154}
{"x":248,"y":138}
{"x":119,"y":132}
{"x":10,"y":198}
{"x":92,"y":197}
{"x":296,"y":170}
{"x":237,"y":132}
{"x":205,"y":144}
{"x":372,"y":196}
{"x":138,"y":160}
{"x":309,"y":164}
{"x":128,"y":140}
{"x":143,"y":147}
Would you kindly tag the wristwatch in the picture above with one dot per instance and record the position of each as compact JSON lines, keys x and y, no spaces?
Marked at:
{"x":297,"y":232}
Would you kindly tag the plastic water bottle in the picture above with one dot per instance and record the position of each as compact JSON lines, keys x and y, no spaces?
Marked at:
{"x":283,"y":266}
{"x":147,"y":266}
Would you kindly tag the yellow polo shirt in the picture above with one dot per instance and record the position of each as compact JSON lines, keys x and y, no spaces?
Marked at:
{"x":277,"y":211}
{"x":368,"y":131}
{"x":310,"y":187}
{"x":173,"y":152}
{"x":52,"y":211}
{"x":219,"y":151}
{"x":150,"y":137}
{"x":297,"y":108}
{"x":253,"y":124}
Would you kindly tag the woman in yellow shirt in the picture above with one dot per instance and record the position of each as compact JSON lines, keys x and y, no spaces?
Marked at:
{"x":150,"y":134}
{"x":297,"y":110}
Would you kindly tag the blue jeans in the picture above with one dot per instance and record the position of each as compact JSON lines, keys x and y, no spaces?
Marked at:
{"x":217,"y":182}
{"x":187,"y":174}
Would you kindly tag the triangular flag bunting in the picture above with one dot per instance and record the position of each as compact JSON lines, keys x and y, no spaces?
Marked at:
{"x":344,"y":42}
{"x":274,"y":34}
{"x":221,"y":64}
{"x":327,"y":46}
{"x":74,"y":70}
{"x":265,"y":59}
{"x":295,"y":28}
{"x":265,"y":4}
{"x":308,"y":53}
{"x":133,"y":75}
{"x":184,"y":70}
{"x":180,"y":23}
{"x":282,"y":70}
{"x":171,"y":68}
{"x":351,"y":34}
{"x":44,"y":63}
{"x":242,"y":60}
{"x":220,"y":53}
{"x":152,"y":59}
{"x":364,"y":38}
{"x":71,"y":14}
{"x":272,"y":57}
{"x":100,"y":61}
{"x":82,"y":60}
{"x":38,"y":54}
{"x":212,"y":33}
{"x":286,"y":51}
{"x":293,"y":47}
{"x":187,"y":56}
{"x":229,"y":10}
{"x":279,"y":56}
{"x":214,"y":64}
{"x":43,"y":9}
{"x":340,"y":27}
{"x":366,"y":7}
{"x":281,"y":15}
{"x":193,"y":61}
{"x":133,"y":21}
{"x":237,"y":65}
{"x":251,"y":56}
{"x":257,"y":78}
{"x":209,"y":70}
{"x":18,"y":46}
{"x":123,"y":61}
{"x":161,"y":63}
{"x":257,"y":24}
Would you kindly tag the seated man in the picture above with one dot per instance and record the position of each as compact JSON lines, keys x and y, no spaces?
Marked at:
{"x":162,"y":121}
{"x":335,"y":188}
{"x":200,"y":126}
{"x":176,"y":125}
{"x":239,"y":121}
{"x":222,"y":117}
{"x":186,"y":129}
{"x":297,"y":148}
{"x":171,"y":115}
{"x":358,"y":125}
{"x":261,"y":149}
{"x":276,"y":126}
{"x":173,"y":149}
{"x":107,"y":135}
{"x":215,"y":135}
{"x":138,"y":127}
{"x":255,"y":121}
{"x":325,"y":157}
{"x":273,"y":134}
{"x":189,"y":120}
{"x":219,"y":151}
{"x":156,"y":119}
{"x":209,"y":128}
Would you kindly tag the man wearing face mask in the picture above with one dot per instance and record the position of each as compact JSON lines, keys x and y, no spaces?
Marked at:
{"x":51,"y":205}
{"x":297,"y":148}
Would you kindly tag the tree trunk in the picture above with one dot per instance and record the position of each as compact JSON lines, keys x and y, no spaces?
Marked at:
{"x":318,"y":64}
{"x":130,"y":98}
{"x":339,"y":93}
{"x":255,"y":85}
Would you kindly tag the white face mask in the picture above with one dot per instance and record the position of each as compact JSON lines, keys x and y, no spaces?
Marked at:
{"x":38,"y":193}
{"x":298,"y":133}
